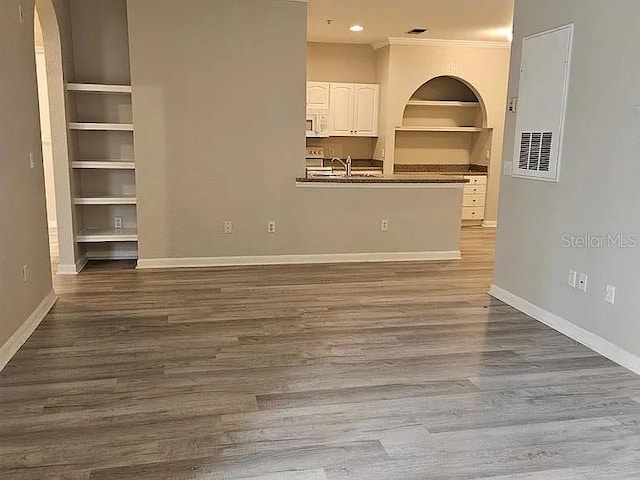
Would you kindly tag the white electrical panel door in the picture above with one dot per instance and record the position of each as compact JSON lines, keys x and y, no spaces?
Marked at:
{"x":542,"y":104}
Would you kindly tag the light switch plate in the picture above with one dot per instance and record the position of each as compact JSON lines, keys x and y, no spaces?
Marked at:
{"x":507,"y":168}
{"x":610,"y":294}
{"x":573,"y":278}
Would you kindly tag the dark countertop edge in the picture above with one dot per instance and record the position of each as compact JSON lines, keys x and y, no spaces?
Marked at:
{"x":379,"y":180}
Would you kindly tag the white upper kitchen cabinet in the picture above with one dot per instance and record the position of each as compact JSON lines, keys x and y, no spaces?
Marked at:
{"x":318,"y":95}
{"x":354,"y":110}
{"x":365,"y":122}
{"x":341,"y":111}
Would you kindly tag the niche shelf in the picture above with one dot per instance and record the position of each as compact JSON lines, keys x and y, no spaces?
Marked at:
{"x":106,"y":200}
{"x":103,"y":165}
{"x":99,"y":88}
{"x":418,"y":128}
{"x":110,"y":235}
{"x":442,"y":103}
{"x":94,"y":126}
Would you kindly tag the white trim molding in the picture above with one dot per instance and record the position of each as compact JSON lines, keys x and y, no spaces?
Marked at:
{"x":437,"y":42}
{"x":490,"y":224}
{"x":11,"y":347}
{"x":74,"y":268}
{"x":594,"y":342}
{"x":192,"y":262}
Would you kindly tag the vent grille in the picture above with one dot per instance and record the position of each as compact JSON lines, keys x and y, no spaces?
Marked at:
{"x":535,"y":151}
{"x":417,"y":31}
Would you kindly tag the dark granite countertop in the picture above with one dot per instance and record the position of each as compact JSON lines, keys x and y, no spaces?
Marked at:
{"x":453,"y":169}
{"x":393,"y":179}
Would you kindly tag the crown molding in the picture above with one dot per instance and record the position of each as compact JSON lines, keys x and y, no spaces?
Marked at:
{"x":435,"y":42}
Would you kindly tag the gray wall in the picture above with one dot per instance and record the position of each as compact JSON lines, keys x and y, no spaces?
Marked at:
{"x":598,"y":190}
{"x":23,"y":223}
{"x":218,"y":106}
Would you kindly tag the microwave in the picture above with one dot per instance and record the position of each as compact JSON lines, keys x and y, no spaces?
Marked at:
{"x":317,"y":124}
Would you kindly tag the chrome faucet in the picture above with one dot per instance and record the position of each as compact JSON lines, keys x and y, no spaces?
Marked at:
{"x":346,"y":164}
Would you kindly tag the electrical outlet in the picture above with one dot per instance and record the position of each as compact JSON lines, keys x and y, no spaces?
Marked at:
{"x":573,"y":278}
{"x":32,"y":161}
{"x":610,"y":294}
{"x":271,"y":227}
{"x":513,"y":104}
{"x":583,"y":280}
{"x":384,"y":225}
{"x":382,"y":154}
{"x":331,"y":152}
{"x":118,"y":223}
{"x":25,"y":273}
{"x":228,"y":227}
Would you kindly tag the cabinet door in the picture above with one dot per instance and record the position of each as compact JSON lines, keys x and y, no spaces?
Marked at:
{"x":365,"y":122}
{"x":318,"y":95}
{"x":341,"y":118}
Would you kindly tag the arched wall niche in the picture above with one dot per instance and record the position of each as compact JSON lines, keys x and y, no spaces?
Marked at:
{"x":447,"y":88}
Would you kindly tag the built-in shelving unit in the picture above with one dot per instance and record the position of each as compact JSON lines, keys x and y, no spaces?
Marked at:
{"x":99,"y":88}
{"x":114,"y":127}
{"x":107,"y":235}
{"x":102,"y":168}
{"x":444,"y":127}
{"x":103,"y":165}
{"x":101,"y":171}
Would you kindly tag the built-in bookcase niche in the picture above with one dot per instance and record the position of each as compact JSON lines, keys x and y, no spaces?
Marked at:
{"x":443,"y":124}
{"x":102,"y":131}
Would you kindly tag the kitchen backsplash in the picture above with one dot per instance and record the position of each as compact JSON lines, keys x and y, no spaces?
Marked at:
{"x":342,"y":146}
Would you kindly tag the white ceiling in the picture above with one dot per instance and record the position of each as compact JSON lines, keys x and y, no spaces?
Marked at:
{"x":481,"y":20}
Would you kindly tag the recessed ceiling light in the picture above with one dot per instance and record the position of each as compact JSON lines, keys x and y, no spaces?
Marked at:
{"x":356,"y":28}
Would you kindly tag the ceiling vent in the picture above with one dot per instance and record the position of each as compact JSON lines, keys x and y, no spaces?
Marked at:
{"x":417,"y":31}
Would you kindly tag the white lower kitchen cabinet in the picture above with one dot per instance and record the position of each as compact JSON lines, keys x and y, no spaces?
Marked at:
{"x":474,"y":199}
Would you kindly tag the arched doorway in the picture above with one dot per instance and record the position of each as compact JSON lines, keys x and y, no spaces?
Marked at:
{"x":53,"y":103}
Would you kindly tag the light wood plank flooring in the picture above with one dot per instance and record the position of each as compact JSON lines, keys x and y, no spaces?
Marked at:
{"x":331,"y":372}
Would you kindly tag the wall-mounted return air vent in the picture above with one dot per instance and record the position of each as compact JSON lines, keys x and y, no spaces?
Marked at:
{"x":542,"y":104}
{"x":535,"y":151}
{"x":417,"y":31}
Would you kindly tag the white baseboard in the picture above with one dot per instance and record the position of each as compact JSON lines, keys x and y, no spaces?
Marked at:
{"x":72,"y":268}
{"x":150,"y":263}
{"x":490,"y":224}
{"x":586,"y":338}
{"x":11,"y":347}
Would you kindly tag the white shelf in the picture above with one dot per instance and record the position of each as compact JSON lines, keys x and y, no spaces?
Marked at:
{"x":99,"y":235}
{"x":106,"y":200}
{"x":98,"y":88}
{"x":439,"y":129}
{"x":442,"y":103}
{"x":104,"y":165}
{"x":116,"y":127}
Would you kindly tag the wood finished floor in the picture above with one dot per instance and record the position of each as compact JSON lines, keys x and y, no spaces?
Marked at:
{"x":332,"y":372}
